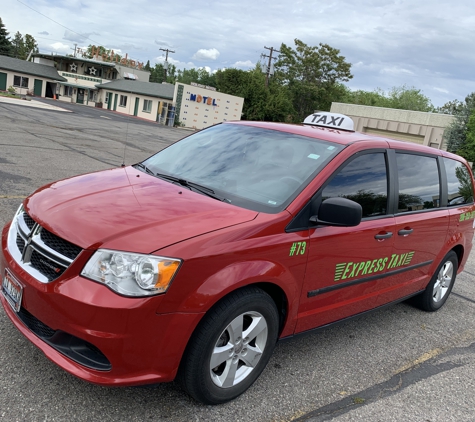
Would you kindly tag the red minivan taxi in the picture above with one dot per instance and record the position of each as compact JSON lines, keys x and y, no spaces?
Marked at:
{"x":193,"y":263}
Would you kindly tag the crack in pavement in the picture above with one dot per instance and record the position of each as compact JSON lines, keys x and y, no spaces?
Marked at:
{"x":394,"y":385}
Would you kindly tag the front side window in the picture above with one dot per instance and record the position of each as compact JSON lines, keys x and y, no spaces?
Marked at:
{"x":255,"y":168}
{"x":419,"y":187}
{"x":363,"y":180}
{"x":20,"y":81}
{"x":459,"y":183}
{"x":123,"y":101}
{"x":147,"y":106}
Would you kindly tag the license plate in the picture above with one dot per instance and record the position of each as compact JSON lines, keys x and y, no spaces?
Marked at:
{"x":12,"y":290}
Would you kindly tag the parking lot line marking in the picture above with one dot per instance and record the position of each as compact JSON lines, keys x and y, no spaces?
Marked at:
{"x":421,"y":359}
{"x":12,"y":197}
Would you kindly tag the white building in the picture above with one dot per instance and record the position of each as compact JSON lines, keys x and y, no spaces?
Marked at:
{"x":198,"y":106}
{"x":413,"y":126}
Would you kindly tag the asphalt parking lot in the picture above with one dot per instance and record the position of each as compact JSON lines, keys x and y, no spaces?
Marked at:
{"x":395,"y":364}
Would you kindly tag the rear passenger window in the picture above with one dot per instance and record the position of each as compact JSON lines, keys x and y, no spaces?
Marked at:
{"x":363,"y":180}
{"x":460,"y":188}
{"x":419,"y":187}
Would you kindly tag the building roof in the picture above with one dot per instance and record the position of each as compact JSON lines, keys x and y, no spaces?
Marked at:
{"x":30,"y":68}
{"x":72,"y":58}
{"x":137,"y":87}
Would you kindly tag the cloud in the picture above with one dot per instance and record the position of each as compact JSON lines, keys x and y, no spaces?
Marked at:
{"x":396,"y":70}
{"x":247,"y":64}
{"x":203,"y":54}
{"x":59,"y":46}
{"x":177,"y":63}
{"x":444,"y":91}
{"x":76,"y":37}
{"x":43,"y":33}
{"x":163,"y":44}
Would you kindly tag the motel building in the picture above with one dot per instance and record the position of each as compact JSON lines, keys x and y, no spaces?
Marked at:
{"x":122,"y":86}
{"x":28,"y":78}
{"x":82,"y":75}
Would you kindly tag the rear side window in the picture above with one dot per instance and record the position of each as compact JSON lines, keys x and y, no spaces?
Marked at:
{"x":460,"y":187}
{"x":363,"y":180}
{"x":419,"y":186}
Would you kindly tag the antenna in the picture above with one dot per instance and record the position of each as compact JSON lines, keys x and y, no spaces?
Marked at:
{"x":126,"y":132}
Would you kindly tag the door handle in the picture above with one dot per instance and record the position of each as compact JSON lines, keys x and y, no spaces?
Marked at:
{"x":405,"y":232}
{"x":382,"y":236}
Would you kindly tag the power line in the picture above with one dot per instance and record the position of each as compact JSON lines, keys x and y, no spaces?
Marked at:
{"x":47,"y":17}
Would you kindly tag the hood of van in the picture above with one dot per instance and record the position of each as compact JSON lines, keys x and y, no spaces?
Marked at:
{"x":126,"y":209}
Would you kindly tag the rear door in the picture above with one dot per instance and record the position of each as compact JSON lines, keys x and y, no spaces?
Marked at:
{"x":345,"y":264}
{"x":421,"y":224}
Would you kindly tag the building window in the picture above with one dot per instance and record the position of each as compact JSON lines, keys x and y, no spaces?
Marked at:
{"x":147,"y":106}
{"x":123,"y":101}
{"x":68,"y":91}
{"x":20,"y":81}
{"x":108,"y":95}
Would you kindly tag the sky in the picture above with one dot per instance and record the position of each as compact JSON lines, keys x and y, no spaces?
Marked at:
{"x":425,"y":44}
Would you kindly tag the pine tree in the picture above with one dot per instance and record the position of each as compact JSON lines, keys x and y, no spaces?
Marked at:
{"x":17,"y":45}
{"x":5,"y":43}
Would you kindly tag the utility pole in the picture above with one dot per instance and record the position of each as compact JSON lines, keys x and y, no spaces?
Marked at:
{"x":166,"y":60}
{"x":75,"y":46}
{"x":272,"y":50}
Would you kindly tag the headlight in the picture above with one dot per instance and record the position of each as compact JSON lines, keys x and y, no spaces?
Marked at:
{"x":131,"y":274}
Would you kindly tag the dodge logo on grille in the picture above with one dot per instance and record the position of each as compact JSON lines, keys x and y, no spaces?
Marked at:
{"x":55,"y":269}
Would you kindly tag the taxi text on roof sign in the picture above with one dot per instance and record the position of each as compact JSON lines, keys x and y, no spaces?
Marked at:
{"x":330,"y":120}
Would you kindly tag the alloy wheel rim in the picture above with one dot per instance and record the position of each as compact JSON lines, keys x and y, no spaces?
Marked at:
{"x":443,"y":282}
{"x":238,"y":350}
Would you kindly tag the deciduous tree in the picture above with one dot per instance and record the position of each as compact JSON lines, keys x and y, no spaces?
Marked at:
{"x":311,"y":75}
{"x":456,"y":133}
{"x":403,"y":98}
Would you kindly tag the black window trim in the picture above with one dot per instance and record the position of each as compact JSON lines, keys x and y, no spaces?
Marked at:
{"x":442,"y":182}
{"x":302,"y":220}
{"x":444,"y":175}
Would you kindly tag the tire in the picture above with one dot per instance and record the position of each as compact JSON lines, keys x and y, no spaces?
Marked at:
{"x":230,"y":347}
{"x":440,"y":286}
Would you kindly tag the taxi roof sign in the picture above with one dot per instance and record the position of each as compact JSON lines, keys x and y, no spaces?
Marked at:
{"x":330,"y":120}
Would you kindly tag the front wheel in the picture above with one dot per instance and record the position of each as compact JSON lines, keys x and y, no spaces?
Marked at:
{"x":440,"y":286}
{"x":230,"y":347}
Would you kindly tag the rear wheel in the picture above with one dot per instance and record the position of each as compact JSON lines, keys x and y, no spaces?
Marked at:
{"x":231,"y":347}
{"x":440,"y":286}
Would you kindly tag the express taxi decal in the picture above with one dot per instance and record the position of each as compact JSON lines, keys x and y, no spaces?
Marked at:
{"x":467,"y":216}
{"x":347,"y":270}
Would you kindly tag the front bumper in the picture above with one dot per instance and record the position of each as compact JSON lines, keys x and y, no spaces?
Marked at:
{"x":95,"y":334}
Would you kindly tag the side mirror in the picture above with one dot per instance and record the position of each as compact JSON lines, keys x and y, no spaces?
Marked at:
{"x":338,"y":212}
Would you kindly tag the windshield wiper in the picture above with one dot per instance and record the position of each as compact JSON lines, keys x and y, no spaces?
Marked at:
{"x":193,"y":186}
{"x":144,"y":167}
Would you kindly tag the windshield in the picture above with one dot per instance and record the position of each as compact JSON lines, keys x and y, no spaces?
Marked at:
{"x":258,"y":169}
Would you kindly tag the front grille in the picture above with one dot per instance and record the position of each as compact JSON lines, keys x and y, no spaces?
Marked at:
{"x":46,"y":266}
{"x":20,"y":243}
{"x":60,"y":245}
{"x":35,"y":325}
{"x":39,"y":252}
{"x":28,"y":221}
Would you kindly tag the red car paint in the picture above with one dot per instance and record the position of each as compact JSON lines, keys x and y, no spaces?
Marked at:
{"x":223,"y":248}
